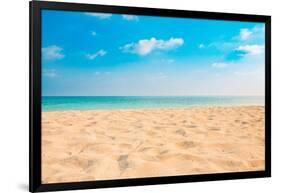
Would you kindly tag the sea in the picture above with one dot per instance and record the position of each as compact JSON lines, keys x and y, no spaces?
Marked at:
{"x":66,"y":103}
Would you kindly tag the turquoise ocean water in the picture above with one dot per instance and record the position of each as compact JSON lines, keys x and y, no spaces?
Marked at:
{"x":64,"y":103}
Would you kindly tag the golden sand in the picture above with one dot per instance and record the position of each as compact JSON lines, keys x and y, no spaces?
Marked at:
{"x":116,"y":144}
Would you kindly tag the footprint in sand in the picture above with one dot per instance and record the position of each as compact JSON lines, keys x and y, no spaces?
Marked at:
{"x":144,"y":149}
{"x":180,"y":132}
{"x":123,"y":162}
{"x":164,"y":152}
{"x":215,"y":129}
{"x":186,"y":144}
{"x":191,"y":126}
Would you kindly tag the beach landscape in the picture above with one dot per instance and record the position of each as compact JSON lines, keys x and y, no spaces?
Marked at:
{"x":136,"y":96}
{"x":85,"y":145}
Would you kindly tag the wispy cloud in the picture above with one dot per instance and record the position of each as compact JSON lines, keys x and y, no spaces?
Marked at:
{"x":242,"y":51}
{"x":251,"y":33}
{"x":245,"y":36}
{"x":251,"y":49}
{"x":99,"y":15}
{"x":219,"y":65}
{"x":130,"y":17}
{"x":146,"y":46}
{"x":50,"y":73}
{"x":94,"y":55}
{"x":52,"y":52}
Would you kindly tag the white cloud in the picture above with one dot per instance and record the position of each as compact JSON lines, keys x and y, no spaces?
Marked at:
{"x":219,"y":65}
{"x":52,"y":52}
{"x":245,"y":34}
{"x":201,"y":46}
{"x":94,"y":55}
{"x":251,"y":49}
{"x":146,"y":46}
{"x":93,"y":33}
{"x":130,"y":17}
{"x":252,"y":33}
{"x":50,"y":73}
{"x":99,"y":15}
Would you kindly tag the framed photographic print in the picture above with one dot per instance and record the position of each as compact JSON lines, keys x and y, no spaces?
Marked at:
{"x":125,"y":96}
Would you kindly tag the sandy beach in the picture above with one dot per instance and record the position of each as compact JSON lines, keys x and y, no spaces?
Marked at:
{"x":135,"y":143}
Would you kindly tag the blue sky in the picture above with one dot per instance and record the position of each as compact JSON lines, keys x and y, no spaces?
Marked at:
{"x":97,"y":54}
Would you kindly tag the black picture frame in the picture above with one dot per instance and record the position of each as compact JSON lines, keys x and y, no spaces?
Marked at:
{"x":35,"y":184}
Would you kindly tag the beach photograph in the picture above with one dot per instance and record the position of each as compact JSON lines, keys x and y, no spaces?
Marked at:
{"x":127,"y":96}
